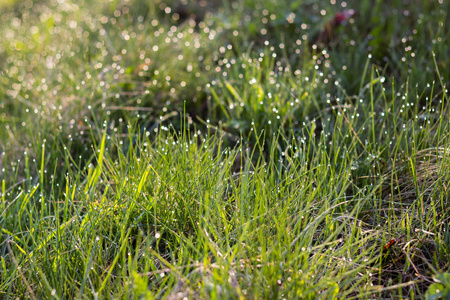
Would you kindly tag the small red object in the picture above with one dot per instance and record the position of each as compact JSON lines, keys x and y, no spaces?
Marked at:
{"x":392,"y":242}
{"x":327,"y":34}
{"x":343,"y":16}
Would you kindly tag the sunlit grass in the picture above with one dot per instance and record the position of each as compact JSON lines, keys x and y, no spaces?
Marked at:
{"x":172,"y":149}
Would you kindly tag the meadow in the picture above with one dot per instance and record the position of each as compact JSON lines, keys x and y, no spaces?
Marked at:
{"x":242,"y":149}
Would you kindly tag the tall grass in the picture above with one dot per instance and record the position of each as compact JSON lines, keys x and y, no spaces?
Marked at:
{"x":174,"y":149}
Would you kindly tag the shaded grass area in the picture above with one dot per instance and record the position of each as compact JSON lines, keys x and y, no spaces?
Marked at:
{"x":200,"y":149}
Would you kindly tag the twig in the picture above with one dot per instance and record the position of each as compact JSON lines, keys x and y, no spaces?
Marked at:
{"x":414,"y":266}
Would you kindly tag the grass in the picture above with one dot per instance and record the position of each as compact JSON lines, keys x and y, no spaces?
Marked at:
{"x":191,"y":149}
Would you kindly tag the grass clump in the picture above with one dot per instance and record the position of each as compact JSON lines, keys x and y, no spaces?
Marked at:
{"x":176,"y":216}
